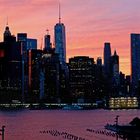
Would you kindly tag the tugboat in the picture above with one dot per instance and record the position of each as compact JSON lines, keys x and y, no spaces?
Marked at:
{"x":130,"y":131}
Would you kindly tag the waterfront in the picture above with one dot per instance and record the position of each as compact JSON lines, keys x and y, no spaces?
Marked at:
{"x":27,"y":124}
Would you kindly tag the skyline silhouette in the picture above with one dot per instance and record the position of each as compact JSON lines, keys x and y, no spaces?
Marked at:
{"x":88,"y":24}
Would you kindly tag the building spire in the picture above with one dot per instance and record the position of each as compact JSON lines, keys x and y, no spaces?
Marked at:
{"x":7,"y":21}
{"x":47,"y":31}
{"x":59,"y":12}
{"x":7,"y":32}
{"x":115,"y":52}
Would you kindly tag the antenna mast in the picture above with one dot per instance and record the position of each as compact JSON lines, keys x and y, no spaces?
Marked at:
{"x":59,"y":12}
{"x":7,"y":21}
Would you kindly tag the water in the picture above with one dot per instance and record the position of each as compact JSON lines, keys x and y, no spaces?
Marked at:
{"x":28,"y":124}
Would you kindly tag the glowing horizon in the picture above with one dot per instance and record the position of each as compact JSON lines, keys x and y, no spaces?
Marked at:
{"x":89,"y":24}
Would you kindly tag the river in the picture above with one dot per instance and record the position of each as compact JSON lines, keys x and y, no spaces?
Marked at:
{"x":55,"y":124}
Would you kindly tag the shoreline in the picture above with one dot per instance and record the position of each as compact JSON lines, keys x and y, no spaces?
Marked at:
{"x":45,"y":106}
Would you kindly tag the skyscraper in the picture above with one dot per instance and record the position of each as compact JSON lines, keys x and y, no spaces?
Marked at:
{"x":51,"y":68}
{"x":115,"y":75}
{"x":27,"y":43}
{"x":60,"y":40}
{"x":99,"y":61}
{"x":82,"y":79}
{"x":115,"y":69}
{"x":135,"y":59}
{"x":7,"y":33}
{"x":107,"y":55}
{"x":31,"y":44}
{"x":34,"y":57}
{"x":10,"y":65}
{"x":47,"y":42}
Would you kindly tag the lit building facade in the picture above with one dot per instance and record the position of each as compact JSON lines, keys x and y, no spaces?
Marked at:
{"x":123,"y":103}
{"x":81,"y":79}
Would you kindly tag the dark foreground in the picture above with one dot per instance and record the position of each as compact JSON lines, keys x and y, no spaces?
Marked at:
{"x":62,"y":124}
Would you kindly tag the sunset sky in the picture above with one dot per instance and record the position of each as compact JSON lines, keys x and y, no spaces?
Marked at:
{"x":89,"y":23}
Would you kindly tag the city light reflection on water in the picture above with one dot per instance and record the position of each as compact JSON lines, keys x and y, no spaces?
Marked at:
{"x":29,"y":124}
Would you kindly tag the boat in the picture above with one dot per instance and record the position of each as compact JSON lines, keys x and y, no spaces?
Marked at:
{"x":72,"y":107}
{"x":129,"y":131}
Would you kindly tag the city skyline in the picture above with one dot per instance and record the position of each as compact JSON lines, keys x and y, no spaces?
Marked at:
{"x":108,"y":21}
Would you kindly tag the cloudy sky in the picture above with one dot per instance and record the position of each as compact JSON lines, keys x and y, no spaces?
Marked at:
{"x":89,"y":23}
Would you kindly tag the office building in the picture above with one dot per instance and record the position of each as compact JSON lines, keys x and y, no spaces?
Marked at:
{"x":60,"y":40}
{"x":115,"y":74}
{"x":107,"y":55}
{"x":99,"y":61}
{"x":99,"y":82}
{"x":51,"y":71}
{"x":115,"y":68}
{"x":81,"y":79}
{"x":27,"y":43}
{"x":135,"y":60}
{"x":31,"y":43}
{"x":10,"y":63}
{"x":47,"y":43}
{"x":34,"y":62}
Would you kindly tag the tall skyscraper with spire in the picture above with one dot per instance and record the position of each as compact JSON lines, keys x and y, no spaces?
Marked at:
{"x":107,"y":55}
{"x":60,"y":39}
{"x":7,"y":32}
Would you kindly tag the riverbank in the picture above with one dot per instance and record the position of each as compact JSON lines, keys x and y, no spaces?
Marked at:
{"x":52,"y":106}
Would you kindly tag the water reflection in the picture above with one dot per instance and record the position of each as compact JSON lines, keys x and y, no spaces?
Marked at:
{"x":27,"y":124}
